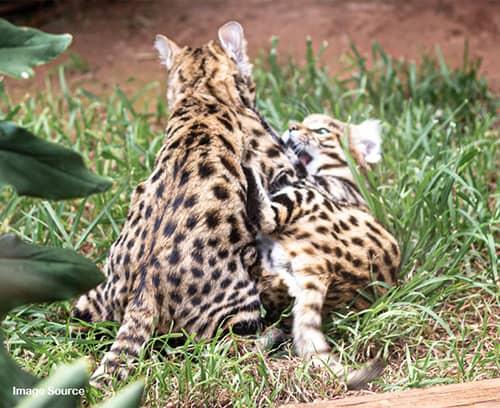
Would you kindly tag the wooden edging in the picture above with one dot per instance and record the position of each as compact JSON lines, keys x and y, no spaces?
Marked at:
{"x":479,"y":394}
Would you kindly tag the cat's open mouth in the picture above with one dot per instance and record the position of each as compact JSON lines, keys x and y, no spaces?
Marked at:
{"x":304,"y":157}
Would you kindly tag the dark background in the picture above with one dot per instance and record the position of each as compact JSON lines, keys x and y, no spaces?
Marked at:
{"x":113,"y":39}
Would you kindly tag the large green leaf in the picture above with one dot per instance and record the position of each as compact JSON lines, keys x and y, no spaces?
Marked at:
{"x":39,"y":168}
{"x":71,"y":380}
{"x":11,"y":375}
{"x":32,"y":273}
{"x":22,"y":48}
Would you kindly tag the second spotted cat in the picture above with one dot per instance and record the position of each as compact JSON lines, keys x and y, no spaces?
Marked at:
{"x":330,"y":247}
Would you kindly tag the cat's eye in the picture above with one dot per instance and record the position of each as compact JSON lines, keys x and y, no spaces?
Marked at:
{"x":321,"y":131}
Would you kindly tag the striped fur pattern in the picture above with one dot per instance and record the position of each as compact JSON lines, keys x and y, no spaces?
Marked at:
{"x":182,"y":259}
{"x":329,"y":247}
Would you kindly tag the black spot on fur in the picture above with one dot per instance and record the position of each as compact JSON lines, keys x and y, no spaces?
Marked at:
{"x":184,"y":178}
{"x":191,"y":222}
{"x":246,"y":327}
{"x":206,"y":288}
{"x":326,"y":249}
{"x":169,"y":229}
{"x":284,"y":200}
{"x":157,"y":224}
{"x":197,"y":272}
{"x":231,"y":266}
{"x":241,"y":284}
{"x":227,"y":124}
{"x":229,"y":167}
{"x":175,"y":170}
{"x":205,"y":170}
{"x":190,"y":201}
{"x":220,"y":192}
{"x":174,"y":257}
{"x":155,"y":262}
{"x":225,"y":283}
{"x":234,"y":235}
{"x":155,"y":177}
{"x":253,"y":199}
{"x":226,"y":144}
{"x":174,"y":279}
{"x":175,"y":144}
{"x":394,"y":248}
{"x":204,"y":141}
{"x":141,"y":252}
{"x":177,"y":202}
{"x":212,"y":108}
{"x":197,"y":256}
{"x":212,"y":219}
{"x":322,"y":230}
{"x":374,"y":239}
{"x":387,"y":259}
{"x":179,"y":238}
{"x":356,"y":262}
{"x":130,"y":243}
{"x":213,"y":242}
{"x":273,"y":152}
{"x":140,"y":187}
{"x":324,"y":216}
{"x":223,"y":253}
{"x":84,"y":315}
{"x":357,"y":241}
{"x":160,"y":190}
{"x":344,"y":226}
{"x":353,"y":220}
{"x":373,"y":228}
{"x":176,"y":297}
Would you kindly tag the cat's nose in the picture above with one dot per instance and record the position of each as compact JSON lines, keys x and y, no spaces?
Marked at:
{"x":293,"y":126}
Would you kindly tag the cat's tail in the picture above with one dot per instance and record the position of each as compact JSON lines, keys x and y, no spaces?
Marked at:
{"x":358,"y":379}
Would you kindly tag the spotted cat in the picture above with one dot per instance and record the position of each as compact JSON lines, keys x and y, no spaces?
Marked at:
{"x":329,"y":246}
{"x":181,"y":261}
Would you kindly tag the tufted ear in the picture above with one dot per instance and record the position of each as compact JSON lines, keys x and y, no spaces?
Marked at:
{"x":367,"y":140}
{"x":167,"y":50}
{"x":233,"y":42}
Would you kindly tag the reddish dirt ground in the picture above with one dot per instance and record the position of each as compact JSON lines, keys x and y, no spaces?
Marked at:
{"x":115,"y":37}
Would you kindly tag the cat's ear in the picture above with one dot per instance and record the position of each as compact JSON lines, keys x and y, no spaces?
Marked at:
{"x":232,"y":39}
{"x":167,"y":50}
{"x":366,"y":139}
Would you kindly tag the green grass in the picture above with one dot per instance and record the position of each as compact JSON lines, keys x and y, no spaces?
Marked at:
{"x":436,"y":189}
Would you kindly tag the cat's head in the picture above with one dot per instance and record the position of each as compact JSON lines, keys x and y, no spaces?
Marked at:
{"x":217,"y":64}
{"x":317,"y":142}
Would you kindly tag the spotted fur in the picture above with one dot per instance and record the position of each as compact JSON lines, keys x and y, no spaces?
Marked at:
{"x":329,"y":247}
{"x":181,"y":261}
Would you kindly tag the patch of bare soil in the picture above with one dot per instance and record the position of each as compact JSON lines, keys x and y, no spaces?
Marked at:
{"x":115,"y":37}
